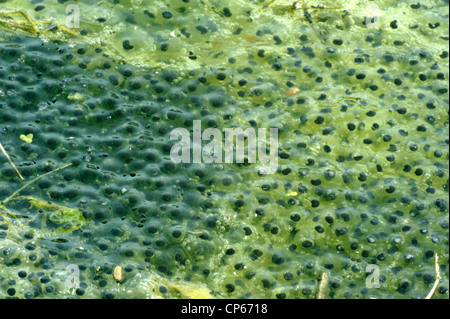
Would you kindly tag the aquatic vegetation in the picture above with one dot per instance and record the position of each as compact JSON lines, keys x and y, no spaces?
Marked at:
{"x":29,"y":25}
{"x":362,"y":177}
{"x":69,"y":218}
{"x":179,"y":289}
{"x":26,"y":138}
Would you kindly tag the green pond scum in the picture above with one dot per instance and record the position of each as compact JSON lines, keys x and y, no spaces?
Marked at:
{"x":361,"y":107}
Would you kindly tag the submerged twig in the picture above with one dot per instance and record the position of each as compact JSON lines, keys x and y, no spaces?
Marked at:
{"x":10,"y":161}
{"x":6,"y":201}
{"x":438,"y":277}
{"x":61,"y":213}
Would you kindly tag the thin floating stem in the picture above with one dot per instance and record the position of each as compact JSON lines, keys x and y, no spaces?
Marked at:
{"x":26,"y":16}
{"x":10,"y":161}
{"x":438,"y":277}
{"x":6,"y":201}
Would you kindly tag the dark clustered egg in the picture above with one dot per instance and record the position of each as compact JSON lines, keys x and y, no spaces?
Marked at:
{"x":359,"y":175}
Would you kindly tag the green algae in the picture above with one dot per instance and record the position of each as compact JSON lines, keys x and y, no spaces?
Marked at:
{"x":70,"y":218}
{"x":109,"y":111}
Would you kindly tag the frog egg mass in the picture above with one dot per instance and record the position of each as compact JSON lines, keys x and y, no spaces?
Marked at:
{"x":223,"y":149}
